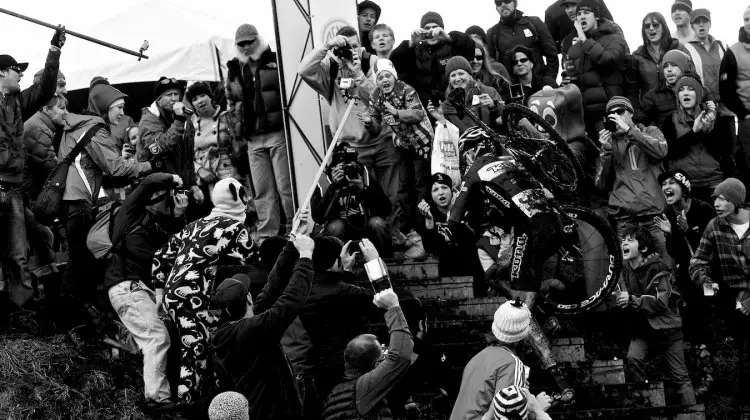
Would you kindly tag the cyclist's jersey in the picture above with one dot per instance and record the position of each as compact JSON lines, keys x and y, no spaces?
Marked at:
{"x":508,"y":185}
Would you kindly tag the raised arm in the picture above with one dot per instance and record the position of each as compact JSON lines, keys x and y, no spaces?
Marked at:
{"x":35,"y":96}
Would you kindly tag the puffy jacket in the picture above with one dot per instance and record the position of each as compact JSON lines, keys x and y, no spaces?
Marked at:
{"x":258,"y":93}
{"x":168,"y":137}
{"x":599,"y":61}
{"x":634,"y":160}
{"x":422,"y":66}
{"x":100,"y":157}
{"x":41,"y":159}
{"x":17,"y":108}
{"x":650,"y":288}
{"x":697,"y":154}
{"x":650,"y":75}
{"x":530,"y":32}
{"x":656,"y":106}
{"x":560,"y":25}
{"x":734,"y":80}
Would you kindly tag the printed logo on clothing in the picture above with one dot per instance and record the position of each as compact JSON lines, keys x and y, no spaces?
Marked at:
{"x":518,"y":256}
{"x":154,"y":148}
{"x":492,"y":170}
{"x":531,"y":202}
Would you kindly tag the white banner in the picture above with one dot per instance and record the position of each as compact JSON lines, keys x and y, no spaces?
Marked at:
{"x":301,"y":25}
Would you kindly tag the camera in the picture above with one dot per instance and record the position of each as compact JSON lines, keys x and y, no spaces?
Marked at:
{"x":428,"y":34}
{"x":347,"y":156}
{"x":516,"y":93}
{"x":436,"y":97}
{"x":345,"y":83}
{"x":179,"y":191}
{"x":610,"y":125}
{"x":344,"y":53}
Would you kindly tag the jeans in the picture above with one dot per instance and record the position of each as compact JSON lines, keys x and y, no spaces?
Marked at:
{"x":382,"y":161}
{"x":13,"y":247}
{"x":377,"y":231}
{"x":40,"y":238}
{"x":669,"y":344}
{"x":269,"y":166}
{"x":135,"y":304}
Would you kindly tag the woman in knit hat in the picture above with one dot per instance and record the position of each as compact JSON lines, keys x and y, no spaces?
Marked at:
{"x":184,"y":273}
{"x":693,"y":147}
{"x":520,"y":61}
{"x":213,"y":141}
{"x":483,"y":101}
{"x":656,"y":42}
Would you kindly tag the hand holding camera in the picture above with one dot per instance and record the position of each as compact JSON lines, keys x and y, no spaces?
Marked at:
{"x":605,"y":139}
{"x":337,"y":41}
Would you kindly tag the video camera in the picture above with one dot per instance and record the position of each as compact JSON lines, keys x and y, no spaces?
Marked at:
{"x":347,"y":156}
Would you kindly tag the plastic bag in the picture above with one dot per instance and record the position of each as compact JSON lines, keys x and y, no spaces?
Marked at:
{"x":445,"y":156}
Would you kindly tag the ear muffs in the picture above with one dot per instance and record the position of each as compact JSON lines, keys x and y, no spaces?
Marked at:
{"x":238,"y":194}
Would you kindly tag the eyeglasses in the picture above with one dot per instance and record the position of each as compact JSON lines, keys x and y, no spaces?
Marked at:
{"x":245,"y":43}
{"x":619,"y":111}
{"x":520,"y":61}
{"x":478,"y":57}
{"x":499,"y":2}
{"x":655,"y":25}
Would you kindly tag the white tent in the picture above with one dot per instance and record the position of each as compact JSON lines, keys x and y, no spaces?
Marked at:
{"x":183,"y":44}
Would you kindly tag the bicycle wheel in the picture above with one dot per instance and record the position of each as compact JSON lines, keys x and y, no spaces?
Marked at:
{"x":550,"y":160}
{"x":588,"y":263}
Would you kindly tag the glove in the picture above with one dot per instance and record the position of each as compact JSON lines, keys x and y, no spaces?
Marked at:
{"x":58,"y":39}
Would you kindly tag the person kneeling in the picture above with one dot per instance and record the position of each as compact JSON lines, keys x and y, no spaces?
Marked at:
{"x":353,"y":207}
{"x":646,"y":293}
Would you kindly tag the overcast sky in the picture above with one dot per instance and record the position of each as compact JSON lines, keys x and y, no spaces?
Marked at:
{"x":28,"y":42}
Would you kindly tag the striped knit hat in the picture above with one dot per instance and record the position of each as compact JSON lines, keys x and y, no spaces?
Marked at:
{"x":229,"y":406}
{"x":617,"y":102}
{"x":510,"y":404}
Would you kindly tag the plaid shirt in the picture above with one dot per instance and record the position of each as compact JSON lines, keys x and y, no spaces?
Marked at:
{"x":721,"y":249}
{"x":417,"y":136}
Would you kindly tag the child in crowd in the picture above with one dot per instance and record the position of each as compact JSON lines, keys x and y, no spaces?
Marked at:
{"x":646,"y":293}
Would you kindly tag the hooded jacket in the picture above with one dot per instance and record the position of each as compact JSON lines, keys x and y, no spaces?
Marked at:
{"x":734,"y":79}
{"x":422,"y":66}
{"x":530,"y":32}
{"x":560,"y":25}
{"x":650,"y":74}
{"x":246,"y":353}
{"x":635,"y":162}
{"x":258,"y":92}
{"x":100,"y":157}
{"x":41,"y":159}
{"x":599,"y":61}
{"x":651,"y":294}
{"x":168,"y":137}
{"x":17,"y":108}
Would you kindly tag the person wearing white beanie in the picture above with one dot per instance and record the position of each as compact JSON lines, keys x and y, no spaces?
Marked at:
{"x":185,"y":271}
{"x":229,"y":405}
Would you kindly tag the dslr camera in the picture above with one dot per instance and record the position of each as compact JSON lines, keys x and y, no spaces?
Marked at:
{"x":347,"y":156}
{"x":344,"y":53}
{"x":610,"y":125}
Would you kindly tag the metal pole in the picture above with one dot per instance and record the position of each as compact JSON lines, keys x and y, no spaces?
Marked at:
{"x":328,"y":155}
{"x":75,"y":34}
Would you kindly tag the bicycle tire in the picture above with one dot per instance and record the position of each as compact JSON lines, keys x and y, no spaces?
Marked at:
{"x":610,"y":281}
{"x":561,"y":159}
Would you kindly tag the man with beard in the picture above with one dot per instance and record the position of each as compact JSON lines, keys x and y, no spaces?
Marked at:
{"x":16,"y":106}
{"x":368,"y":16}
{"x":514,"y":28}
{"x":681,"y":17}
{"x":254,"y":100}
{"x":734,"y":88}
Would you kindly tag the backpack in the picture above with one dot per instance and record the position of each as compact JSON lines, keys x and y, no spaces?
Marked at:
{"x":99,"y":238}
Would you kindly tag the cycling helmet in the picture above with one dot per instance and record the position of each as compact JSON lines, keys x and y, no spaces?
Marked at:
{"x":472,"y":143}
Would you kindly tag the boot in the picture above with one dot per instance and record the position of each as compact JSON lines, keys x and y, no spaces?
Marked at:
{"x":705,"y":361}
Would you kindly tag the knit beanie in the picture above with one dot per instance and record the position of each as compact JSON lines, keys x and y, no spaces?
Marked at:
{"x":196,"y":89}
{"x":38,"y":76}
{"x":680,"y":177}
{"x":590,"y":5}
{"x":511,"y":322}
{"x":619,"y":102}
{"x":510,"y":404}
{"x":230,"y":199}
{"x":245,"y":32}
{"x":327,"y":250}
{"x":384,"y":64}
{"x":431,"y":17}
{"x":98,"y":80}
{"x":733,"y":191}
{"x":564,"y":2}
{"x":477,"y":30}
{"x":685,"y":5}
{"x":679,"y":58}
{"x":231,"y":296}
{"x":440,"y":178}
{"x":163,"y":85}
{"x":692,"y":81}
{"x":229,"y":405}
{"x":102,"y":96}
{"x":455,"y":63}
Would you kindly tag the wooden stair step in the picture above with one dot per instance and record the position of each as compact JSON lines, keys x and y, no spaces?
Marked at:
{"x":674,"y":412}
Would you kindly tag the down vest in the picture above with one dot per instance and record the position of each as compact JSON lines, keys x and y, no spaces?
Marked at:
{"x":256,"y":96}
{"x":598,"y":61}
{"x":41,"y":159}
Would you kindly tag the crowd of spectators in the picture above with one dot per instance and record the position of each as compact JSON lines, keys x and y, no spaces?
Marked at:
{"x":202,"y":181}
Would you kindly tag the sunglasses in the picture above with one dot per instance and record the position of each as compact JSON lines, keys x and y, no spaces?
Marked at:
{"x":166,"y":81}
{"x":245,"y":43}
{"x":499,"y":2}
{"x":655,"y":25}
{"x":620,"y":111}
{"x":478,"y":57}
{"x":521,"y":61}
{"x":16,"y":69}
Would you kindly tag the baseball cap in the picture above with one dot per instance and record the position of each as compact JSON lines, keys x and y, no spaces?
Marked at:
{"x":231,"y":295}
{"x":7,"y":61}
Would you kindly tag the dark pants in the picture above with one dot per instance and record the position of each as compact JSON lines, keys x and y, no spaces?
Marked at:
{"x":312,"y":405}
{"x":382,"y":162}
{"x":742,"y":154}
{"x":13,"y":257}
{"x":82,"y":277}
{"x":376,"y":230}
{"x":669,"y":345}
{"x":40,"y":238}
{"x":534,"y":244}
{"x":414,"y":172}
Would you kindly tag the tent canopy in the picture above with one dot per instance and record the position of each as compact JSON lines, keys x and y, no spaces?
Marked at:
{"x":183,"y":44}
